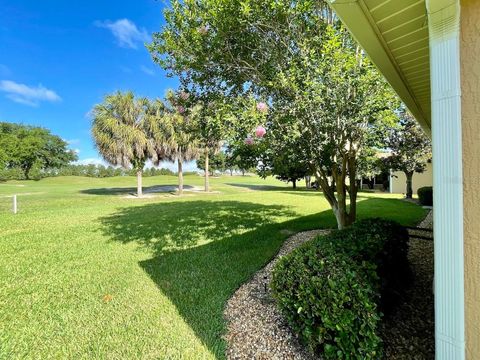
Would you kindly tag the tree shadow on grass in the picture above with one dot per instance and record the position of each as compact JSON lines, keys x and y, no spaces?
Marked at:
{"x":133,"y":190}
{"x":240,"y":238}
{"x":256,"y":187}
{"x":180,"y":224}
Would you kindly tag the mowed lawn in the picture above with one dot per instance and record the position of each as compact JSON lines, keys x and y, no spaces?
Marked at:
{"x":86,"y":272}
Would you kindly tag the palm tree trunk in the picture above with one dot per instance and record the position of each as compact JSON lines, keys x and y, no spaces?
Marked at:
{"x":139,"y":183}
{"x":180,"y":176}
{"x":207,"y":182}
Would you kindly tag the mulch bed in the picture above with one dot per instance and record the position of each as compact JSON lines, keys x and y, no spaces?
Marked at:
{"x":257,"y":330}
{"x":409,"y":333}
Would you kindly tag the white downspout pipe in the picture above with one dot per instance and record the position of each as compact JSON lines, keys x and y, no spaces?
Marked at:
{"x":444,"y":29}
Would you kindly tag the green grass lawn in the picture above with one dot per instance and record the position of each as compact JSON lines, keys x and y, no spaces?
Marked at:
{"x":87,"y":273}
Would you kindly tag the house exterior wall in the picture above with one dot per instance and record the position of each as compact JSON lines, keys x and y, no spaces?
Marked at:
{"x":470,"y":84}
{"x":399,"y":181}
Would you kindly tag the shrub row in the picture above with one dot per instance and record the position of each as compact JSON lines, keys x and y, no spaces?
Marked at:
{"x":333,"y":289}
{"x":425,"y":196}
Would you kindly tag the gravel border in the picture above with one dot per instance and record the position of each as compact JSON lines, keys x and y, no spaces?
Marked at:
{"x":256,"y":328}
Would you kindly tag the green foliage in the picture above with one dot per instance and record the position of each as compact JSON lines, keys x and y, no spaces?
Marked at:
{"x":281,"y":153}
{"x":297,"y":58}
{"x":242,"y":157}
{"x":101,"y":171}
{"x":31,"y":151}
{"x":181,"y":132}
{"x":328,"y":303}
{"x":333,"y":288}
{"x":383,"y":243}
{"x":411,"y":148}
{"x":216,"y":161}
{"x":119,"y":130}
{"x":425,"y":195}
{"x":369,"y":164}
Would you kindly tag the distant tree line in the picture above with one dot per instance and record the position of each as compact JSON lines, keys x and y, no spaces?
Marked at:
{"x":101,"y":171}
{"x":28,"y":152}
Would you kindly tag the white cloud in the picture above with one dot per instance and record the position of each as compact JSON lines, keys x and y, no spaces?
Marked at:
{"x":72,"y":141}
{"x":147,"y":70}
{"x":28,"y":95}
{"x":76,"y":151}
{"x":128,"y":35}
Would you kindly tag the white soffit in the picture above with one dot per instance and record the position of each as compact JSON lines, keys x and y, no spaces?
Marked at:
{"x":394,"y":34}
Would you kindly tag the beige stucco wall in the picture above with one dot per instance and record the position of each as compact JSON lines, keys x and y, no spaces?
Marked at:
{"x":399,"y":181}
{"x":470,"y":72}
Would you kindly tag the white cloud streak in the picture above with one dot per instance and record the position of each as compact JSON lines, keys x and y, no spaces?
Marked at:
{"x":72,"y":141}
{"x":147,"y":70}
{"x":28,"y":95}
{"x":127,"y":34}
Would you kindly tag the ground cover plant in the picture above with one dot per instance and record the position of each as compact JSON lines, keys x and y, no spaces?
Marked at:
{"x":87,"y":271}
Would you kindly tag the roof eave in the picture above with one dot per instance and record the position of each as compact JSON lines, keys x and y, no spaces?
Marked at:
{"x":362,"y":27}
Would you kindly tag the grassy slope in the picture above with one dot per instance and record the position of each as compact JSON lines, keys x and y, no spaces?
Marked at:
{"x":169,"y":264}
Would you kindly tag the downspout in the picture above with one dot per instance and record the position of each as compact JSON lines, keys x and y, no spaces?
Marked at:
{"x":444,"y":29}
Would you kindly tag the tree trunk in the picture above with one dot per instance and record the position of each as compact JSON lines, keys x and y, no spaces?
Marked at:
{"x":26,"y":171}
{"x":409,"y":176}
{"x":207,"y":182}
{"x":180,"y":176}
{"x":308,"y":180}
{"x":343,"y":219}
{"x":139,"y":183}
{"x":352,"y":189}
{"x":294,"y":183}
{"x":338,"y":203}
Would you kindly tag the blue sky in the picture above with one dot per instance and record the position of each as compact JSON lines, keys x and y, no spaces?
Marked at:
{"x":59,"y":58}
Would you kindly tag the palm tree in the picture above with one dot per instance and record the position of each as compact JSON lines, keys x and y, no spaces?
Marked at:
{"x":160,"y":130}
{"x":185,"y":148}
{"x":119,"y":132}
{"x":183,"y":144}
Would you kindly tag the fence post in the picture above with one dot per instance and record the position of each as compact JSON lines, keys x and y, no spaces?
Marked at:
{"x":14,"y":204}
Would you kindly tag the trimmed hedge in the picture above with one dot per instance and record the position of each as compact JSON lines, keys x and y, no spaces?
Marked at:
{"x":333,"y":289}
{"x":425,"y":195}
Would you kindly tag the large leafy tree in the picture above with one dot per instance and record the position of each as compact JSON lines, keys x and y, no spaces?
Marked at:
{"x":242,"y":157}
{"x":298,"y":58}
{"x":120,"y":133}
{"x":410,"y":149}
{"x":26,"y":147}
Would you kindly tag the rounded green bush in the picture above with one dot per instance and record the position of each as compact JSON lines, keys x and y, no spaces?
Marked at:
{"x":334,"y":289}
{"x":328,"y":302}
{"x":383,"y":243}
{"x":425,"y":195}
